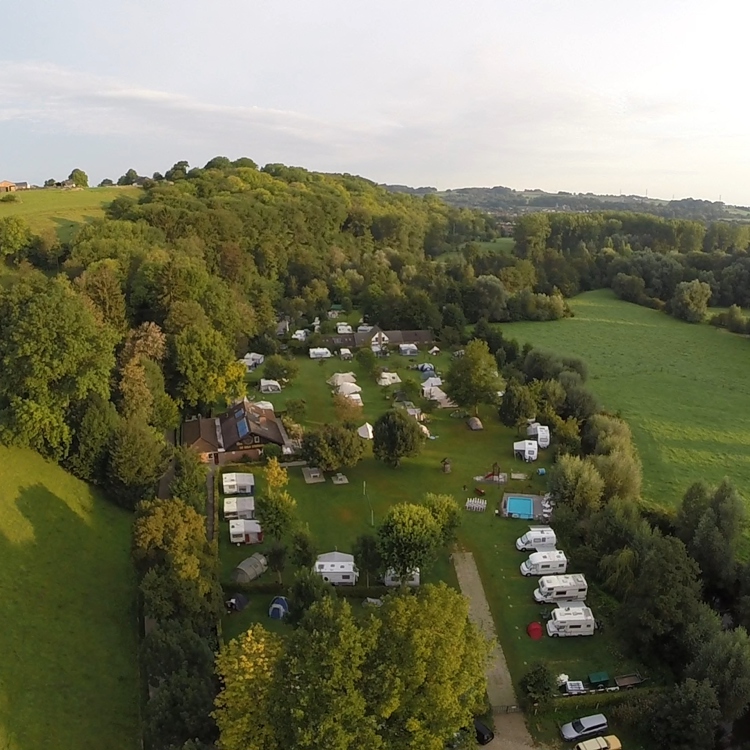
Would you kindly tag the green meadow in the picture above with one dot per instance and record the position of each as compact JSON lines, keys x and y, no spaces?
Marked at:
{"x":682,"y":388}
{"x":61,"y":211}
{"x":68,"y":639}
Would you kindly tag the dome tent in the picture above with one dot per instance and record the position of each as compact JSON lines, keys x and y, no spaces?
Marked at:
{"x":250,"y":569}
{"x":279,"y":608}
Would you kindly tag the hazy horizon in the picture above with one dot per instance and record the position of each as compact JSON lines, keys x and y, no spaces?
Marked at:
{"x":577,"y":97}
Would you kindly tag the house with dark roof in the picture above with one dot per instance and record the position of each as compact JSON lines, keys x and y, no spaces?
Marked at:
{"x":241,"y":431}
{"x":378,"y":339}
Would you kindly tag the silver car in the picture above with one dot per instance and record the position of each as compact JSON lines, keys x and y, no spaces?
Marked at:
{"x":586,"y":726}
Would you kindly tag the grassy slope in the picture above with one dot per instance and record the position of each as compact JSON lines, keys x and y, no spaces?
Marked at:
{"x":682,"y":388}
{"x":68,"y":673}
{"x":61,"y":210}
{"x":337,"y":514}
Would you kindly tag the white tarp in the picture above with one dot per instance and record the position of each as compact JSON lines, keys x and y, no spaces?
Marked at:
{"x":365,"y":431}
{"x":346,"y":389}
{"x":341,"y":377}
{"x":388,"y":378}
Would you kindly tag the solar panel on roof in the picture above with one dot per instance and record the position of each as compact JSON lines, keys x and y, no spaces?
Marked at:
{"x":239,"y":414}
{"x":242,"y":429}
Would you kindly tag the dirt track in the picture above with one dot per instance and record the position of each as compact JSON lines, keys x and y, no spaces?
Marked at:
{"x":510,"y":728}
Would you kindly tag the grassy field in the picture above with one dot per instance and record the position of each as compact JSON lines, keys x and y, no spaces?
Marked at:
{"x":337,"y":514}
{"x":68,"y":672}
{"x":501,"y":245}
{"x":682,"y":388}
{"x":61,"y":211}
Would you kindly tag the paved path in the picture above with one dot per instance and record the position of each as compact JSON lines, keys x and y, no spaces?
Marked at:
{"x":510,"y":728}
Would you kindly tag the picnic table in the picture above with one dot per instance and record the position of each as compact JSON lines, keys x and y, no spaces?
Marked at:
{"x":598,"y":679}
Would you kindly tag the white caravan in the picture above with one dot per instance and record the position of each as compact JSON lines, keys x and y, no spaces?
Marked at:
{"x":570,"y":621}
{"x":570,"y":588}
{"x":537,"y":538}
{"x":545,"y":563}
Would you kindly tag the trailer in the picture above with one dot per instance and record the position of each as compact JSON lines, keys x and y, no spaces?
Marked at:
{"x":627,"y":681}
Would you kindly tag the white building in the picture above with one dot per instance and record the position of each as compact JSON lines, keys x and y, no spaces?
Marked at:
{"x":270,"y":386}
{"x":245,"y":532}
{"x":243,"y":484}
{"x":239,"y":508}
{"x":337,"y":568}
{"x":320,"y":352}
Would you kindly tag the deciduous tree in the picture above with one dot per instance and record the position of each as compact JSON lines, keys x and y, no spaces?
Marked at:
{"x":189,"y":481}
{"x":276,"y":475}
{"x":332,"y":447}
{"x":395,"y":436}
{"x":473,"y":378}
{"x":408,"y":538}
{"x":446,"y":511}
{"x":276,"y":513}
{"x":79,"y":177}
{"x":685,"y":717}
{"x":367,"y":556}
{"x":306,"y":589}
{"x":277,"y":367}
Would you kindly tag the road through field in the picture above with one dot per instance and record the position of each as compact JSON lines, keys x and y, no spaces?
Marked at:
{"x":510,"y":728}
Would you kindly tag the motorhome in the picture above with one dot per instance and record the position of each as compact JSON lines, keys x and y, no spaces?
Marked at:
{"x":570,"y":621}
{"x":569,"y":588}
{"x":545,"y":563}
{"x":537,"y":538}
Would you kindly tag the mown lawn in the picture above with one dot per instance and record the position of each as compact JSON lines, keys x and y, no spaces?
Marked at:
{"x":337,"y":514}
{"x":682,"y":388}
{"x":68,"y":638}
{"x":61,"y":211}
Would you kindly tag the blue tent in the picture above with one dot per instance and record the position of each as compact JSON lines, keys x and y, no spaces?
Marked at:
{"x":279,"y":608}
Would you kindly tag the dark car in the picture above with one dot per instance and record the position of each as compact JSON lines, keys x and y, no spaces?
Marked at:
{"x":484,"y":734}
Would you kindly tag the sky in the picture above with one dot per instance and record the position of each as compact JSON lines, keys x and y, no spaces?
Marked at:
{"x":637,"y":97}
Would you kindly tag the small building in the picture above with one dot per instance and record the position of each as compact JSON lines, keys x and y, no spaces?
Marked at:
{"x":7,"y":187}
{"x":234,"y":483}
{"x":343,"y":328}
{"x":245,"y":532}
{"x":252,"y":360}
{"x":391,"y":579}
{"x":408,"y":350}
{"x":239,"y":508}
{"x":345,"y":353}
{"x":270,"y":386}
{"x":475,"y":423}
{"x":337,"y":568}
{"x":320,"y":352}
{"x":526,"y":449}
{"x":250,"y":568}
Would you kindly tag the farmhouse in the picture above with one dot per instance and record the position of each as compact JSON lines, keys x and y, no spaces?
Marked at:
{"x":337,"y":568}
{"x":239,"y":508}
{"x":7,"y":187}
{"x":234,"y":483}
{"x":245,"y":532}
{"x":243,"y":430}
{"x":270,"y":386}
{"x":379,"y":340}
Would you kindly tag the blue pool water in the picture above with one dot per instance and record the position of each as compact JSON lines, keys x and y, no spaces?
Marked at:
{"x":521,"y":507}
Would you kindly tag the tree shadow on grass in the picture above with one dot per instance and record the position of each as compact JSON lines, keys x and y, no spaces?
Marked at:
{"x":67,"y":630}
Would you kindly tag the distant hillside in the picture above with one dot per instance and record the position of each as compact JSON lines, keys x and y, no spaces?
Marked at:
{"x":61,"y":210}
{"x":506,"y":201}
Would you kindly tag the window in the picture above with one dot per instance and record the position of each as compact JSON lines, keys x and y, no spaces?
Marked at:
{"x":345,"y":577}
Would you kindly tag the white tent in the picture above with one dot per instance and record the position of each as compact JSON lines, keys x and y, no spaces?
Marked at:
{"x":320,"y":352}
{"x":408,"y":350}
{"x":388,"y":378}
{"x":365,"y":431}
{"x":355,"y":398}
{"x":425,"y":430}
{"x":434,"y":351}
{"x":252,"y":360}
{"x":345,"y":353}
{"x":526,"y":449}
{"x":439,"y":395}
{"x":341,"y":377}
{"x":270,"y":386}
{"x":346,"y":389}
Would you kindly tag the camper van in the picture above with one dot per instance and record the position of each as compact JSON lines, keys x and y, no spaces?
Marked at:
{"x":245,"y":532}
{"x":537,"y":538}
{"x":542,"y":436}
{"x":545,"y":563}
{"x":569,"y":621}
{"x":570,"y":588}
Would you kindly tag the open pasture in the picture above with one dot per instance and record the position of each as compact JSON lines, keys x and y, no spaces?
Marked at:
{"x":68,"y":673}
{"x":61,"y":211}
{"x":682,"y":388}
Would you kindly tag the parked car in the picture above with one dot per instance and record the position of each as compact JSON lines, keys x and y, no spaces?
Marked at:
{"x":484,"y":734}
{"x":600,"y":743}
{"x":586,"y":726}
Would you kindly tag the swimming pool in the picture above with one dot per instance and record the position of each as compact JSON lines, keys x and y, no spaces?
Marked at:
{"x":520,"y":507}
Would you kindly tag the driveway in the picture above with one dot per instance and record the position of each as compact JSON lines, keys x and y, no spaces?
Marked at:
{"x":510,"y":728}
